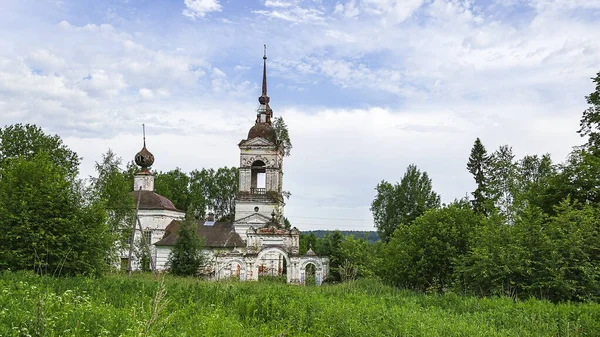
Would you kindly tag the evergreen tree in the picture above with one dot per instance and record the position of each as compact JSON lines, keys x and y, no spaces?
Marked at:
{"x":477,"y":166}
{"x":187,"y":257}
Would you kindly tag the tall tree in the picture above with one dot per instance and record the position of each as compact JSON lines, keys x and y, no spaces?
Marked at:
{"x":283,"y":135}
{"x":112,"y":186}
{"x":402,"y":203}
{"x":187,"y":257}
{"x":477,"y":166}
{"x":590,"y":121}
{"x":502,"y":180}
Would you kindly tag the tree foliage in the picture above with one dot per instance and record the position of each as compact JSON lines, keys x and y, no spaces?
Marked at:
{"x":590,"y":121}
{"x":47,"y":224}
{"x":403,"y":202}
{"x":552,"y":257}
{"x":201,"y":190}
{"x":26,"y":141}
{"x":422,"y":255}
{"x":283,"y":135}
{"x":187,"y":256}
{"x":112,"y":187}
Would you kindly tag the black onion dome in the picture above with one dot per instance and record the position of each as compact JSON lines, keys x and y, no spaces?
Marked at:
{"x":263,"y":130}
{"x":144,"y":158}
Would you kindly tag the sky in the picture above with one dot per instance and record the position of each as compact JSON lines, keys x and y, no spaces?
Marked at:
{"x":366,"y":87}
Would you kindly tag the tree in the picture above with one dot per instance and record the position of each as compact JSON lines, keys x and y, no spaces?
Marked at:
{"x":225,"y":183}
{"x":199,"y":191}
{"x":402,"y":203}
{"x":477,"y":166}
{"x":330,"y":246}
{"x":533,"y":177}
{"x":112,"y":187}
{"x":578,"y":179}
{"x":186,"y":257}
{"x":590,"y":121}
{"x":307,"y":241}
{"x":361,"y":254}
{"x":28,"y":140}
{"x":174,"y":185}
{"x":48,"y":223}
{"x":502,"y":181}
{"x":283,"y":136}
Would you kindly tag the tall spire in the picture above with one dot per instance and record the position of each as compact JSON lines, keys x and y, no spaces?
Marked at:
{"x":264,"y":99}
{"x":144,"y":133}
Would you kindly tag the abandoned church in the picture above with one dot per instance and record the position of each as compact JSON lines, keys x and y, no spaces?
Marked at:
{"x":256,"y":243}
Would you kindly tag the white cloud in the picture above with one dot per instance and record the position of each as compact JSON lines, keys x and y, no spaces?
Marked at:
{"x":448,"y":71}
{"x":199,"y":8}
{"x":293,"y":11}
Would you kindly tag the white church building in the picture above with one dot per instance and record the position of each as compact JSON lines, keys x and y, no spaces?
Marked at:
{"x":256,"y":243}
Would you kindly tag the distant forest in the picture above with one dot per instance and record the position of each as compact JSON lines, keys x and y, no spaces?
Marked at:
{"x":370,"y":236}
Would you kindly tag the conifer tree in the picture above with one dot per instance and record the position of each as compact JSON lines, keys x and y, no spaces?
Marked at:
{"x":477,"y":165}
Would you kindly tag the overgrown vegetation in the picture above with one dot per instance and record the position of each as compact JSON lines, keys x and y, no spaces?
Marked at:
{"x":141,"y":306}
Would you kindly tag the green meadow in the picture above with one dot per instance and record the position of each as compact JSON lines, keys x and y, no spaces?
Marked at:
{"x":141,"y":305}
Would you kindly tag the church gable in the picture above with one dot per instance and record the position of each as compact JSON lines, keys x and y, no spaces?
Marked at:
{"x":255,"y":218}
{"x":258,"y":141}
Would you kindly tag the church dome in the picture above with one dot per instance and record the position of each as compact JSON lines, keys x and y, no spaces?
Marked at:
{"x":150,"y":200}
{"x":263,"y":130}
{"x":144,"y":158}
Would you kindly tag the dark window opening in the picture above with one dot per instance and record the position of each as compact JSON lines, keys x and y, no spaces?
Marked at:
{"x":258,"y":177}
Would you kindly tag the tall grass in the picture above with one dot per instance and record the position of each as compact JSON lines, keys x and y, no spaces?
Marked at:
{"x":142,"y":306}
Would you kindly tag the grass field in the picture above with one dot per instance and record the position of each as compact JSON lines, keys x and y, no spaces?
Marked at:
{"x":142,"y":306}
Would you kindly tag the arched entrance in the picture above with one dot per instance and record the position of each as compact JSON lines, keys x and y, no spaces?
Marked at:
{"x":271,"y":261}
{"x":311,"y":272}
{"x":231,"y":268}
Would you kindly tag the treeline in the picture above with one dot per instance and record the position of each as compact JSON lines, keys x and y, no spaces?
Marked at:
{"x":531,"y":228}
{"x":370,"y":236}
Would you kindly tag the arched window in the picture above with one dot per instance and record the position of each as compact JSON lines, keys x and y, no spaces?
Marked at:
{"x":258,"y":177}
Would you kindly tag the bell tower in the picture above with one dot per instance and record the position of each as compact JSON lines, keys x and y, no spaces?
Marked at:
{"x":259,"y":200}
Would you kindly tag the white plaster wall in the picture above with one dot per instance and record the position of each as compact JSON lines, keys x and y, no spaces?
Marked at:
{"x":161,"y":257}
{"x":244,"y":208}
{"x":156,"y":221}
{"x":145,"y":181}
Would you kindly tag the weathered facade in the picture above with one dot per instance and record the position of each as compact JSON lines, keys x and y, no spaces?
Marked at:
{"x":256,"y":243}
